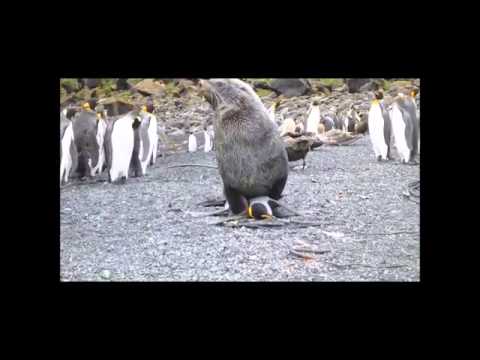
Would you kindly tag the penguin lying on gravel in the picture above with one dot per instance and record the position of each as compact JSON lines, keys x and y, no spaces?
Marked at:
{"x":263,"y":207}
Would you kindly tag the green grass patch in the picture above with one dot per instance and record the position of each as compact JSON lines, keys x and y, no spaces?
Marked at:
{"x":334,"y":83}
{"x":263,"y":92}
{"x":69,"y":83}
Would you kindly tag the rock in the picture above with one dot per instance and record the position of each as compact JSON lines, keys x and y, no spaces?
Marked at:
{"x":400,"y":86}
{"x":115,"y":106}
{"x":70,"y":85}
{"x":372,"y":85}
{"x":123,"y":84}
{"x":89,"y":83}
{"x":354,"y":85}
{"x":291,"y":87}
{"x":106,"y":274}
{"x":149,"y":87}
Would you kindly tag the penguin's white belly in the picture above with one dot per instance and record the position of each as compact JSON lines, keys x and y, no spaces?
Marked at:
{"x":149,"y":152}
{"x":375,"y":127}
{"x":313,"y":120}
{"x":398,"y":127}
{"x":66,"y":161}
{"x":192,"y":143}
{"x":122,"y":147}
{"x":153,"y":134}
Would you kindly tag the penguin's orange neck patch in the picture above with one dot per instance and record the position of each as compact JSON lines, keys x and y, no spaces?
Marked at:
{"x":144,"y":108}
{"x":250,"y":212}
{"x":375,"y":102}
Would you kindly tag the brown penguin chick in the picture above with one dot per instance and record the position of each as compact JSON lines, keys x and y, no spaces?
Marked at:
{"x":251,"y":156}
{"x":361,"y":127}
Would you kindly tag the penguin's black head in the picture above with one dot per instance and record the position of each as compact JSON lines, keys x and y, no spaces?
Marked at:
{"x":149,"y":107}
{"x":259,"y":211}
{"x":93,"y":103}
{"x":378,"y":94}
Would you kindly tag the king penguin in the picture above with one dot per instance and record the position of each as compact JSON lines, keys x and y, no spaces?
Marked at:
{"x":405,"y":127}
{"x":313,"y":119}
{"x":208,"y":141}
{"x":379,"y":126}
{"x":68,"y":153}
{"x":192,"y":143}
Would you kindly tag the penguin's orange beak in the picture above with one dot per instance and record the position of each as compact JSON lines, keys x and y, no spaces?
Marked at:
{"x":266,"y":216}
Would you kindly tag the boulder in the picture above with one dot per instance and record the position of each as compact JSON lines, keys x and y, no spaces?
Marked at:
{"x":122,"y":84}
{"x":149,"y":87}
{"x":69,"y":85}
{"x":116,"y":106}
{"x":89,"y":83}
{"x":291,"y":87}
{"x":354,"y":85}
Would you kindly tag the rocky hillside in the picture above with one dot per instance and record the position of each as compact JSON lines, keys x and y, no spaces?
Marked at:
{"x":181,"y":109}
{"x":134,"y":91}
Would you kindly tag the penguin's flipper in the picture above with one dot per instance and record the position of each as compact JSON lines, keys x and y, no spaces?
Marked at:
{"x":281,"y":213}
{"x":280,"y":210}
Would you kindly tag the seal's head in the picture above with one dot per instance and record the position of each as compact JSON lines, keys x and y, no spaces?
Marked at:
{"x":228,"y":92}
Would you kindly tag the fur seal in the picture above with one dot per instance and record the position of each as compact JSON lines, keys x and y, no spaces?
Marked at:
{"x":251,"y":156}
{"x":298,"y":147}
{"x":361,"y":127}
{"x":379,"y":127}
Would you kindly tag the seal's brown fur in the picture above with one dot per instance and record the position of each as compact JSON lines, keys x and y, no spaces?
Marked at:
{"x":251,"y":157}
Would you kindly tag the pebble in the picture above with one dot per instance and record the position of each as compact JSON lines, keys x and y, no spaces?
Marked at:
{"x":106,"y":274}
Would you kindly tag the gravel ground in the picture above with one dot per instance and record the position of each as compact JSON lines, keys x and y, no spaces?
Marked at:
{"x":145,"y":230}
